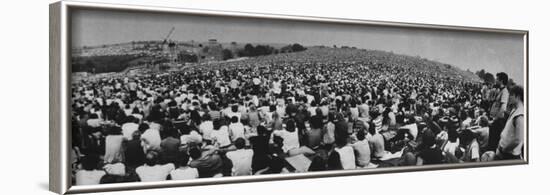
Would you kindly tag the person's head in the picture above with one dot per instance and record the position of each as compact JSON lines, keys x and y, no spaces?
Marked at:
{"x":483,"y":121}
{"x":516,"y":95}
{"x":360,"y":135}
{"x":114,"y":130}
{"x":453,"y":135}
{"x":96,"y":132}
{"x":217,"y":124}
{"x":234,"y":119}
{"x":428,"y":139}
{"x":131,"y":119}
{"x":502,"y":79}
{"x":318,"y":112}
{"x":182,"y":160}
{"x":240,"y":143}
{"x":235,"y":108}
{"x":151,"y":158}
{"x":143,"y":127}
{"x":195,"y":153}
{"x":372,"y":128}
{"x":136,"y":135}
{"x":206,"y":117}
{"x":290,"y":126}
{"x":90,"y":162}
{"x":261,"y":130}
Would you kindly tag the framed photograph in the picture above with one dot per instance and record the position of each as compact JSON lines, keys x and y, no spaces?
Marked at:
{"x":154,"y":97}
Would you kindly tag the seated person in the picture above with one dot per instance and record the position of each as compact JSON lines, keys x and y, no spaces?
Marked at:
{"x":430,"y":153}
{"x":376,"y":142}
{"x":470,"y":145}
{"x":241,"y":158}
{"x":481,"y":133}
{"x":90,"y":174}
{"x":152,"y":170}
{"x":183,"y":172}
{"x":291,"y":144}
{"x":236,"y":129}
{"x":220,"y":135}
{"x":208,"y":163}
{"x":362,"y":150}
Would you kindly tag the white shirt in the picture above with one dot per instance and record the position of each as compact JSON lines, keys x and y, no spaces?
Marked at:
{"x":221,"y":136}
{"x":154,"y":173}
{"x":347,"y":157}
{"x":115,"y":169}
{"x":151,"y":139}
{"x":113,"y":148}
{"x":128,"y":129}
{"x":413,"y":129}
{"x":290,"y":139}
{"x":193,"y":136}
{"x":84,"y":177}
{"x":362,"y":150}
{"x":184,"y":173}
{"x":237,"y":130}
{"x":206,"y":128}
{"x":242,"y":161}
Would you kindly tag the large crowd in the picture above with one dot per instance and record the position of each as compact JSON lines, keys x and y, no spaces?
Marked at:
{"x":289,"y":113}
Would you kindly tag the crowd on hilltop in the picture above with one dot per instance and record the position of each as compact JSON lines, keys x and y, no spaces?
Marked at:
{"x":289,"y":113}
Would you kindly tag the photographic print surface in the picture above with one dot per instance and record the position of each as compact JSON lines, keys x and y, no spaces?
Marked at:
{"x":163,"y":96}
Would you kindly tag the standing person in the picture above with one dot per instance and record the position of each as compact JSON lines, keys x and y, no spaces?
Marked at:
{"x":132,"y":89}
{"x":510,"y":145}
{"x":498,"y":110}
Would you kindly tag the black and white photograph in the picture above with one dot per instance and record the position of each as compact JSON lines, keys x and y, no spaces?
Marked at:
{"x":160,"y":96}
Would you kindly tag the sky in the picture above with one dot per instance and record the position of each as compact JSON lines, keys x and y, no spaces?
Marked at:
{"x":494,"y":52}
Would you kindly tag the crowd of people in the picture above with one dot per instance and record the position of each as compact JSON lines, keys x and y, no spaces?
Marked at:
{"x":321,"y":109}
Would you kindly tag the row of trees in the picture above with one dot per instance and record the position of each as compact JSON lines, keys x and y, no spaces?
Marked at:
{"x":489,"y":78}
{"x":102,"y":64}
{"x":259,"y":50}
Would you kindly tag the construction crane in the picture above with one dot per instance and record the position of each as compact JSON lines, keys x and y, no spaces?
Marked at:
{"x":168,"y":35}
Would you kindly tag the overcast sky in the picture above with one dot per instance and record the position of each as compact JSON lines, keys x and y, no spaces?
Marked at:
{"x":467,"y":50}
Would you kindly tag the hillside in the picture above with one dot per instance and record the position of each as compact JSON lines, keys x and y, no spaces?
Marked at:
{"x":361,"y":57}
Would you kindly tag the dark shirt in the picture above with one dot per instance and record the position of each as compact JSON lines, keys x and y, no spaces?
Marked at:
{"x":431,"y":156}
{"x":208,"y":166}
{"x":260,"y":146}
{"x":134,"y":153}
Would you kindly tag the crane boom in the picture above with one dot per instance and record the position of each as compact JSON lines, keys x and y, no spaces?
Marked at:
{"x":169,"y":34}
